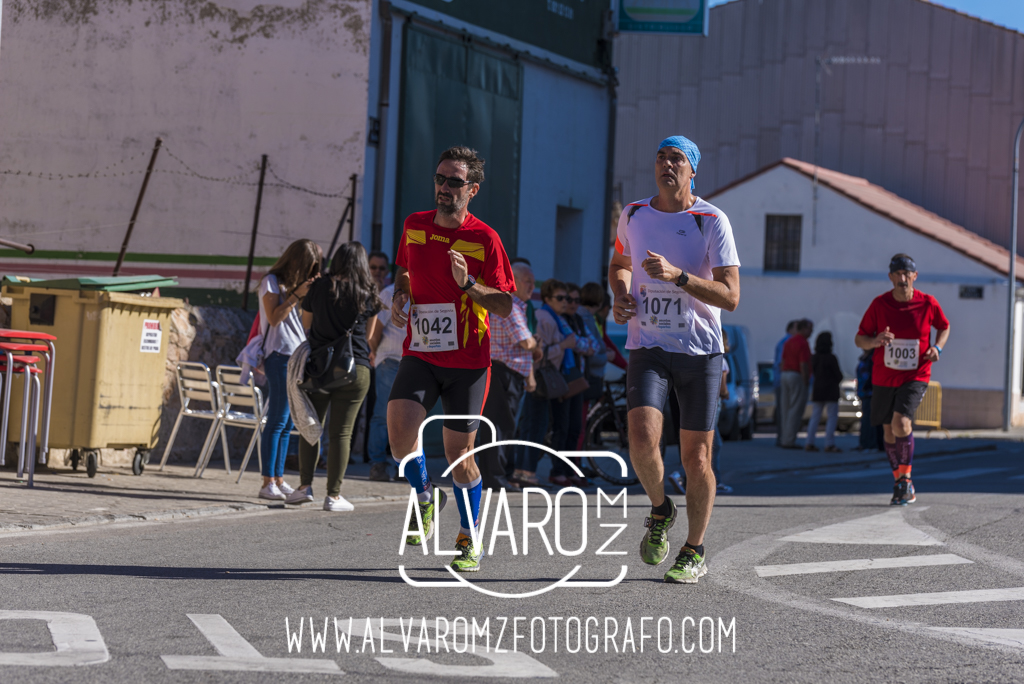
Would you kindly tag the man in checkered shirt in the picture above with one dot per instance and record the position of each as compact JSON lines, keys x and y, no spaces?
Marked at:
{"x":512,"y":346}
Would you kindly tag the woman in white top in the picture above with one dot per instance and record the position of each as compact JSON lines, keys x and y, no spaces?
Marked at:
{"x":281,"y":292}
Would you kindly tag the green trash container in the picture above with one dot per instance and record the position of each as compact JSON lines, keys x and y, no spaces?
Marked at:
{"x":110,"y":363}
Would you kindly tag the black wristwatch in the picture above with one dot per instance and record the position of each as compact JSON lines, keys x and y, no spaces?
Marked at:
{"x":470,"y":282}
{"x":682,"y":280}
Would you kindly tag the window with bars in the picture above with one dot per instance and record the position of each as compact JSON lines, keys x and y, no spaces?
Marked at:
{"x":782,"y":243}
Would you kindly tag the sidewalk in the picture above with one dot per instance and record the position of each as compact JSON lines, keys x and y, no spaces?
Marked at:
{"x":64,"y":498}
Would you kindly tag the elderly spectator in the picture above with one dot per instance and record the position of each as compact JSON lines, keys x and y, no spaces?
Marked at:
{"x":796,"y":371}
{"x":512,"y":346}
{"x":777,"y":378}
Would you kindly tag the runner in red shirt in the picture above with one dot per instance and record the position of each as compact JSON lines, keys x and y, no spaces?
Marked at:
{"x":898,"y":326}
{"x":452,"y":271}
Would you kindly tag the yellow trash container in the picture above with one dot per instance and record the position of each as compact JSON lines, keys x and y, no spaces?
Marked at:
{"x":111,"y":353}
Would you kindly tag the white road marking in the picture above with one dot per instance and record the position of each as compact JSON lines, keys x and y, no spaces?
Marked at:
{"x":238,"y":654}
{"x":1016,"y":477}
{"x":1004,"y":637}
{"x":958,"y":474}
{"x":859,"y":564}
{"x":75,"y":636}
{"x":936,"y":598}
{"x":887,"y":528}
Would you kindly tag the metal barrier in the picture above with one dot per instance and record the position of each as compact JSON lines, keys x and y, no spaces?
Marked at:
{"x":929,"y":413}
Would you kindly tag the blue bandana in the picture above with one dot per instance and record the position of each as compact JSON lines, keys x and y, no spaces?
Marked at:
{"x":902,"y":263}
{"x":688,"y":147}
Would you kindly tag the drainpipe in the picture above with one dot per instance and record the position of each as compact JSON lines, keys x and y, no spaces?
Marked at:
{"x":383,"y":104}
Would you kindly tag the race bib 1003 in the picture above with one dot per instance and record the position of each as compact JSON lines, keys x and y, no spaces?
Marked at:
{"x":663,"y":307}
{"x":902,"y":354}
{"x":433,"y":328}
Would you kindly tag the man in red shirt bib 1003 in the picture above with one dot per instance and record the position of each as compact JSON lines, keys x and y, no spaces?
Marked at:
{"x":898,"y":326}
{"x":452,"y":273}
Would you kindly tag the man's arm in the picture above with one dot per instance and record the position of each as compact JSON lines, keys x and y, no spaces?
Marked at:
{"x":398,"y":318}
{"x":932,"y":354}
{"x":882,"y":339}
{"x":495,"y":301}
{"x":805,"y":371}
{"x":620,"y":278}
{"x":722,"y":291}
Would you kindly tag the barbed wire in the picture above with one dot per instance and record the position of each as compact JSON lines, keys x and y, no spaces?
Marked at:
{"x":189,"y":172}
{"x":285,"y":184}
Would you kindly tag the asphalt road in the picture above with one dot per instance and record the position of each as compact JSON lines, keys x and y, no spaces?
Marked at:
{"x":812,"y":577}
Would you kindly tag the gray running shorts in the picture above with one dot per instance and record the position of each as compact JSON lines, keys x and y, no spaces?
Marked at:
{"x":653,"y":372}
{"x":903,"y":399}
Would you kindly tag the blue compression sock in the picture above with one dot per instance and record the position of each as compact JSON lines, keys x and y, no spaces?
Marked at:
{"x":416,"y":474}
{"x":475,"y":489}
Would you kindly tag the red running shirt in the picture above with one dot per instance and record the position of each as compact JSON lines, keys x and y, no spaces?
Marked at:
{"x":911,"y":320}
{"x":423,"y":250}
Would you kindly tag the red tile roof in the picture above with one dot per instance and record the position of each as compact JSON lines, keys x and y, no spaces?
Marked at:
{"x":903,"y":212}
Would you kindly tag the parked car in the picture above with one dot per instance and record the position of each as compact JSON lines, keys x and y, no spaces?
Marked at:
{"x":737,"y":419}
{"x":849,"y":402}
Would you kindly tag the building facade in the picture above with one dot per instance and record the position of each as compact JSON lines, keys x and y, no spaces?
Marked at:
{"x":830,"y":272}
{"x":932,"y":120}
{"x":526,"y":84}
{"x":88,"y":88}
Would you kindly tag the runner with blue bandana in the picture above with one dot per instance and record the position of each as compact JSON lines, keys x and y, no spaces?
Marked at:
{"x":674,"y":269}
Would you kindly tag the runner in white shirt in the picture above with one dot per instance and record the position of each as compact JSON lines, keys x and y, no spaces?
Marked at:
{"x":675,"y":267}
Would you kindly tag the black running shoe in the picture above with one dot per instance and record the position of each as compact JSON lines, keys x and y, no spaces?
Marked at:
{"x":897,"y":494}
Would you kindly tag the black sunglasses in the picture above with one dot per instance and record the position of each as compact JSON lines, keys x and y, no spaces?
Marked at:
{"x":453,"y":182}
{"x":559,"y":298}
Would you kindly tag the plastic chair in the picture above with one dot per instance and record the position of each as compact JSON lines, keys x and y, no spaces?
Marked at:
{"x":195,"y":383}
{"x":26,"y":367}
{"x":34,"y":342}
{"x":232,"y":392}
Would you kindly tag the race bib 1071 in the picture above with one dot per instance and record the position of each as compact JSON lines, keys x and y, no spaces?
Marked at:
{"x":663,"y":307}
{"x":433,"y":328}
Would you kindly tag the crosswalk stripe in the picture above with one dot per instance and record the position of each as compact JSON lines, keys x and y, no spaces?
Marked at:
{"x":936,"y":598}
{"x":859,"y":564}
{"x":882,"y":529}
{"x":958,"y":474}
{"x":1004,"y":637}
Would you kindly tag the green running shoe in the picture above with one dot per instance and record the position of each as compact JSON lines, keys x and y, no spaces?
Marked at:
{"x":654,"y":546}
{"x":688,"y":568}
{"x":427,"y":512}
{"x":468,"y":559}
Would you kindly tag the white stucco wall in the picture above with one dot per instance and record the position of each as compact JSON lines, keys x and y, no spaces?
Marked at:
{"x":846,"y":268}
{"x":564,"y":157}
{"x":222,"y":82}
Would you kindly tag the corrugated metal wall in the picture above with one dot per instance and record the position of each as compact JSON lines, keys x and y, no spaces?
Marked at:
{"x":933,"y":123}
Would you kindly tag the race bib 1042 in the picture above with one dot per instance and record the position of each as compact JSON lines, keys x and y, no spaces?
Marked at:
{"x":902,"y":354}
{"x":433,"y":328}
{"x":663,"y":307}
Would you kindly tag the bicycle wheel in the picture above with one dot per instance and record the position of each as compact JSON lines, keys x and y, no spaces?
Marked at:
{"x":606,"y":431}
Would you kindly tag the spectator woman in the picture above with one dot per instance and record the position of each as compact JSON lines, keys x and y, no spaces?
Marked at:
{"x":567,"y":414}
{"x":280,"y":293}
{"x":344,"y":302}
{"x":555,"y":341}
{"x":824,"y":393}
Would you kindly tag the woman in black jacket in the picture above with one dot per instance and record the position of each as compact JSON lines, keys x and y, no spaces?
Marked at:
{"x":824,"y":392}
{"x":345,"y":300}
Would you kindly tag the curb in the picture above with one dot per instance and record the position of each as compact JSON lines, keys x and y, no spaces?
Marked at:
{"x":179,"y":514}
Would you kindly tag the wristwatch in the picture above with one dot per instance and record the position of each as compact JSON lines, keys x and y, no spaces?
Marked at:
{"x":470,"y":282}
{"x":682,"y":280}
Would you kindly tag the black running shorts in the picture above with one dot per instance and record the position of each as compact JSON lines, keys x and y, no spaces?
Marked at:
{"x":652,"y":372}
{"x":903,"y":399}
{"x":463,"y":391}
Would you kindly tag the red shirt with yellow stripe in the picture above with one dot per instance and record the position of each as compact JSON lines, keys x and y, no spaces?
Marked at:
{"x":423,"y":251}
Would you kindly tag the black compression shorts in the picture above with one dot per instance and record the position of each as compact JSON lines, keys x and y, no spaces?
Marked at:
{"x":903,"y":399}
{"x":652,"y":372}
{"x":462,"y":391}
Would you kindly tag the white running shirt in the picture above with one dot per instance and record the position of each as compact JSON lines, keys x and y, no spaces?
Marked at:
{"x":696,"y":240}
